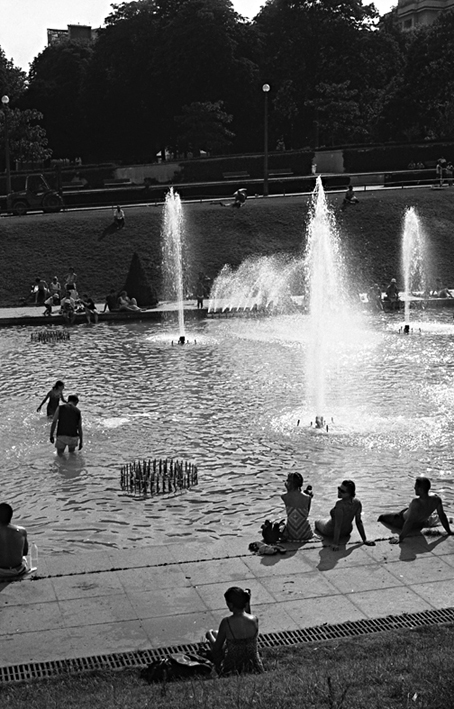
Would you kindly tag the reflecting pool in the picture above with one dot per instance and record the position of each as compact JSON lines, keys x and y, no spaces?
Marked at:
{"x":229,"y":403}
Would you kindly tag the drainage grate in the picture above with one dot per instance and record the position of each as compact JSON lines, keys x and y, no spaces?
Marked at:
{"x":141,"y":658}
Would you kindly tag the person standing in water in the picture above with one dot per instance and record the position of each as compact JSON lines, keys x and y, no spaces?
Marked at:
{"x":68,"y":422}
{"x":54,"y":396}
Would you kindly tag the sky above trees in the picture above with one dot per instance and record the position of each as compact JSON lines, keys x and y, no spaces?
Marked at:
{"x":24,"y":23}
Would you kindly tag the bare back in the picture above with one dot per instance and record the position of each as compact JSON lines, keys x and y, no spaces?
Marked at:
{"x":13,"y":545}
{"x":420,"y":509}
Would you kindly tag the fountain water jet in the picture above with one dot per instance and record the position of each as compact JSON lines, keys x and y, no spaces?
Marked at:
{"x":413,"y":259}
{"x":173,"y":237}
{"x":325,"y":294}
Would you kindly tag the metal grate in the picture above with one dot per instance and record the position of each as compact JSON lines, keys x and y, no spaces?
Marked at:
{"x":141,"y":658}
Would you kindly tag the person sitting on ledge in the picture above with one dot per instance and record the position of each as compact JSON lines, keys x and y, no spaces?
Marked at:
{"x":234,"y":645}
{"x":111,"y":302}
{"x":416,"y":516}
{"x":68,"y":309}
{"x":297,"y":505}
{"x":127,"y":303}
{"x":90,"y":308}
{"x":13,"y":545}
{"x":347,"y":509}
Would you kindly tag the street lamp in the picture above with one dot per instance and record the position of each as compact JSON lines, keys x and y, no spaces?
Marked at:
{"x":265,"y":89}
{"x":5,"y":105}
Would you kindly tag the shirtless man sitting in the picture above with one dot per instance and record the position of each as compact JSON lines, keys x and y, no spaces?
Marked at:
{"x":13,"y":545}
{"x":416,"y":516}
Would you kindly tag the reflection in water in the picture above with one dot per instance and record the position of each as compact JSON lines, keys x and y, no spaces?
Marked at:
{"x":229,"y":404}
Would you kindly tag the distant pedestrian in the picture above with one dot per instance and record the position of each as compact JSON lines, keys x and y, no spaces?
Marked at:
{"x":119,"y":218}
{"x":71,"y":280}
{"x":41,"y":291}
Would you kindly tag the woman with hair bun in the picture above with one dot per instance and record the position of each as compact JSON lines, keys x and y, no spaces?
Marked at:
{"x":234,"y":645}
{"x":347,"y":509}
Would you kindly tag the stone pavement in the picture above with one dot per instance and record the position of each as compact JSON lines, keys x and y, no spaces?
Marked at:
{"x":98,"y":603}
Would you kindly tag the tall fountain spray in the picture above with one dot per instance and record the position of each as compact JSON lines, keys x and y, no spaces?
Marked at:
{"x":325,"y":295}
{"x":413,"y":259}
{"x":173,"y":237}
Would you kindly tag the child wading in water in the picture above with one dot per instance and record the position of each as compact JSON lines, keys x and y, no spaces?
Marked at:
{"x":54,"y":396}
{"x":297,"y":505}
{"x":234,"y":645}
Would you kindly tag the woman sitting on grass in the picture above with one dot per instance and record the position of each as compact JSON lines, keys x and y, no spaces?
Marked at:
{"x":347,"y":509}
{"x":297,"y":505}
{"x":234,"y":645}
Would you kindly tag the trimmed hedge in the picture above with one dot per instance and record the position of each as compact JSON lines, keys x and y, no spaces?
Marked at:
{"x":212,"y":169}
{"x":394,"y":157}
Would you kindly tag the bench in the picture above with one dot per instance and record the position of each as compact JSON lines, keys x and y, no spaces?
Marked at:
{"x":118,"y":182}
{"x":240,"y":175}
{"x":280,"y":171}
{"x":73,"y":185}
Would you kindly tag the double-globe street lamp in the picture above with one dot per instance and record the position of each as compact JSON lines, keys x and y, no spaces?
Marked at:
{"x":265,"y":88}
{"x":5,"y":106}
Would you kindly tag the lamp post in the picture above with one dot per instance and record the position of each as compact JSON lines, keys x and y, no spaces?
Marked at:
{"x":5,"y":105}
{"x":265,"y":89}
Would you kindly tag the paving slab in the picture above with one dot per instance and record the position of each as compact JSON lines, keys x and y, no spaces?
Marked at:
{"x":98,"y":603}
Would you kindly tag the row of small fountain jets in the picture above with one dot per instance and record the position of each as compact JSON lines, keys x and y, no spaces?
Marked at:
{"x":261,"y":282}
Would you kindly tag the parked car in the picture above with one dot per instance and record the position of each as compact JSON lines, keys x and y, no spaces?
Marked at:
{"x":35,"y":195}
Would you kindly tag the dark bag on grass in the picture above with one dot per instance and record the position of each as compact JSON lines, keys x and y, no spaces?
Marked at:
{"x":272,"y":531}
{"x":177,"y":666}
{"x":157,"y":671}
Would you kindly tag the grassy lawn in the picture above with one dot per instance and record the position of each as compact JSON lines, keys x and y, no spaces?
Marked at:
{"x":46,"y":245}
{"x":410,"y":668}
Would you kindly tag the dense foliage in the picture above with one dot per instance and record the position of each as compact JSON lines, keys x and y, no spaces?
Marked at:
{"x":187,"y":75}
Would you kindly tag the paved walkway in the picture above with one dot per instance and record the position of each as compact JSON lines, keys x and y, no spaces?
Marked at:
{"x":117,"y":601}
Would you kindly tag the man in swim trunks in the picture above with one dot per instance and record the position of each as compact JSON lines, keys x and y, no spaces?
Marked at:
{"x":68,"y":421}
{"x":13,"y":545}
{"x":416,"y":516}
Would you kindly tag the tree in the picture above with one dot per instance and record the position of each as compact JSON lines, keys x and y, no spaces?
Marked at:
{"x":12,"y":79}
{"x":56,"y":83}
{"x":337,"y":111}
{"x":27,"y":140}
{"x":204,"y":126}
{"x":154,"y":57}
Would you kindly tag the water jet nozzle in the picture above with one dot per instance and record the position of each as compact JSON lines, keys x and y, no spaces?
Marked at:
{"x":181,"y":340}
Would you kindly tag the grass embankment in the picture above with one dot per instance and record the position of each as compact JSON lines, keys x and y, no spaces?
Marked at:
{"x":386,"y":671}
{"x":46,"y":245}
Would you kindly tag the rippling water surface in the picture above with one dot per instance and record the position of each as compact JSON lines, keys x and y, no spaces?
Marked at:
{"x":230,"y":403}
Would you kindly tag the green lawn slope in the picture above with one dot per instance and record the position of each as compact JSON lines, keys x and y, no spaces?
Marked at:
{"x":47,"y":244}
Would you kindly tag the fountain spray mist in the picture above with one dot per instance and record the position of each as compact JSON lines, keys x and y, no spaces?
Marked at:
{"x":173,"y":236}
{"x":413,"y":258}
{"x":324,"y":292}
